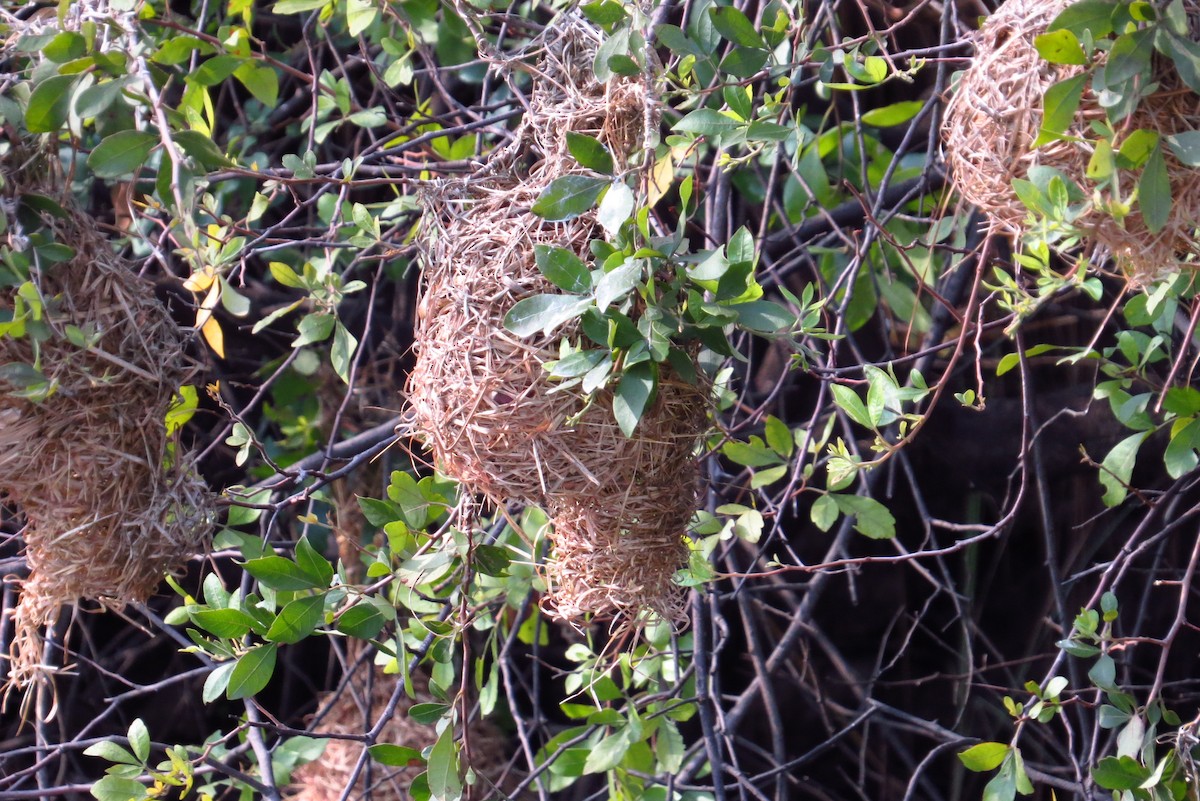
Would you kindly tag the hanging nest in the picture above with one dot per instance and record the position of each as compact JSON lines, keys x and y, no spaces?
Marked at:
{"x":478,"y":393}
{"x":109,"y":505}
{"x":355,"y":709}
{"x":994,"y":117}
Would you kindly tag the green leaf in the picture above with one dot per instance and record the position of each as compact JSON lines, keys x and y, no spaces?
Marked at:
{"x":1119,"y":773}
{"x":872,"y":518}
{"x":894,"y":114}
{"x":285,"y":275}
{"x":216,"y":682}
{"x":706,"y":122}
{"x":1094,"y":16}
{"x":752,"y":454}
{"x":428,"y":713}
{"x":49,"y":104}
{"x":261,"y":80}
{"x":64,"y":47}
{"x":589,"y":152}
{"x":297,"y":6}
{"x":95,"y":100}
{"x":116,"y":788}
{"x":359,"y":15}
{"x":616,"y":208}
{"x":1129,"y":56}
{"x":316,"y":566}
{"x":669,"y":746}
{"x":106,"y":749}
{"x":736,"y":27}
{"x":633,"y":394}
{"x":568,"y":197}
{"x":544,"y":313}
{"x":491,"y":560}
{"x":1104,"y":673}
{"x":608,"y":753}
{"x":824,"y":512}
{"x":202,"y":149}
{"x":226,"y":623}
{"x":744,"y":62}
{"x":281,"y":574}
{"x":563,"y":269}
{"x":216,"y":69}
{"x":363,"y":620}
{"x":444,"y":783}
{"x":252,"y":672}
{"x":314,"y":327}
{"x":1186,"y":147}
{"x":779,"y":436}
{"x":984,"y":756}
{"x":341,"y":353}
{"x":1117,"y":468}
{"x":396,"y":756}
{"x":849,"y":402}
{"x":1060,"y":47}
{"x":139,"y":739}
{"x":1137,"y":148}
{"x":604,"y":12}
{"x":1180,"y":457}
{"x":1186,"y":56}
{"x":618,"y":283}
{"x":1154,"y":192}
{"x":763,"y":316}
{"x":297,"y":620}
{"x":1059,"y":105}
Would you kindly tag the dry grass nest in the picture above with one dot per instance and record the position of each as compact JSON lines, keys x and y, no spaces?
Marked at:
{"x":107,"y":510}
{"x":354,"y":709}
{"x":478,"y":393}
{"x":996,"y":112}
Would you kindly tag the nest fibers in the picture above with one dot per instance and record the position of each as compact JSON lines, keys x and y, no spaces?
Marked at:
{"x":479,"y":394}
{"x":354,"y":710}
{"x":994,"y":117}
{"x":107,"y":509}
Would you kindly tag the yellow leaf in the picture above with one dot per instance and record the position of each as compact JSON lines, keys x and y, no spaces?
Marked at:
{"x":214,"y":336}
{"x":199,"y":282}
{"x":661,"y":178}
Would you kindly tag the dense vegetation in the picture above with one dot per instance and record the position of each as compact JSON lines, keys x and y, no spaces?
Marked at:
{"x":945,"y":544}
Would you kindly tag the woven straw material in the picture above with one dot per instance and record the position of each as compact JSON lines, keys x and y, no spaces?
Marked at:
{"x":355,"y":710}
{"x":105,"y":518}
{"x":994,"y":117}
{"x":479,"y":394}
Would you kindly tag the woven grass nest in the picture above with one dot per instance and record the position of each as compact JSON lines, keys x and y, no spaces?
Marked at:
{"x":86,"y":466}
{"x":479,"y":395}
{"x":354,"y":710}
{"x":994,"y":117}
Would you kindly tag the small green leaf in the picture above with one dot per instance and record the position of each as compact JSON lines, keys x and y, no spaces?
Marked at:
{"x":894,"y":114}
{"x":544,"y":313}
{"x":397,"y":756}
{"x":116,"y":788}
{"x":618,"y":283}
{"x":285,"y":275}
{"x":216,"y":682}
{"x":1059,"y":105}
{"x":779,"y":436}
{"x":590,"y":153}
{"x":706,"y":122}
{"x":563,"y":269}
{"x":1060,"y":47}
{"x":341,"y":353}
{"x":362,"y":620}
{"x":216,"y":69}
{"x":608,"y":753}
{"x":360,"y":14}
{"x":49,"y":104}
{"x":752,"y":454}
{"x":763,"y":316}
{"x":297,"y":620}
{"x":633,"y":395}
{"x":491,"y":560}
{"x":871,"y":518}
{"x":824,"y":513}
{"x":252,"y":672}
{"x":568,"y":197}
{"x":1186,"y":147}
{"x":1154,"y":192}
{"x":1117,"y":468}
{"x":1119,"y":773}
{"x":984,"y":756}
{"x":314,"y":327}
{"x":281,"y":574}
{"x":106,"y":749}
{"x":1093,"y":16}
{"x":428,"y":713}
{"x":735,"y":26}
{"x":616,"y":208}
{"x":444,"y":783}
{"x":226,"y":623}
{"x":316,"y":566}
{"x":1104,"y":673}
{"x":849,"y":402}
{"x":297,"y":6}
